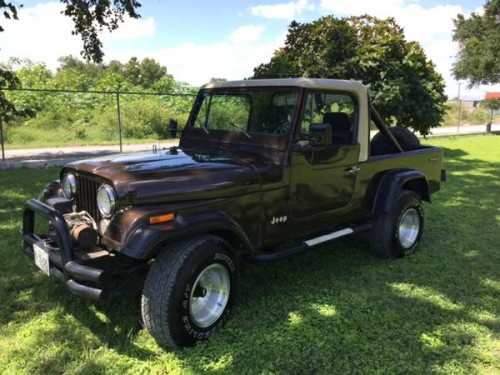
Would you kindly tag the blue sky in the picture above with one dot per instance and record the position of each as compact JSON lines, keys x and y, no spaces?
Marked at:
{"x":197,"y":40}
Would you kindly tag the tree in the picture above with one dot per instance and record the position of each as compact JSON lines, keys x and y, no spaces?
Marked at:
{"x":403,"y":83}
{"x":90,"y":17}
{"x":478,"y":38}
{"x":151,"y":72}
{"x":76,"y":74}
{"x":144,"y":73}
{"x":93,"y":16}
{"x":36,"y":76}
{"x":8,"y":80}
{"x":115,"y":66}
{"x":86,"y":67}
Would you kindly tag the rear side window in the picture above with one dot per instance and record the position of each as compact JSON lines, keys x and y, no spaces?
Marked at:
{"x":340,"y":110}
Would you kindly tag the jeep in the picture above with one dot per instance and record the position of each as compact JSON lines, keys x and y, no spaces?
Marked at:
{"x":265,"y":169}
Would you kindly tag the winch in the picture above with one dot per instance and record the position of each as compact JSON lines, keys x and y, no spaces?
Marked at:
{"x":82,"y":229}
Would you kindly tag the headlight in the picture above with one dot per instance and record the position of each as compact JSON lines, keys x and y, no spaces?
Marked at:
{"x":106,"y":200}
{"x":69,"y":185}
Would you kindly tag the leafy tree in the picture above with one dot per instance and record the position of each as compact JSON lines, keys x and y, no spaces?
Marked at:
{"x":115,"y":66}
{"x":90,"y":17}
{"x":403,"y":83}
{"x":35,"y":76}
{"x":8,"y":80}
{"x":88,"y":68}
{"x":478,"y":38}
{"x":144,"y":73}
{"x":79,"y":116}
{"x":132,"y":71}
{"x":73,"y":79}
{"x":165,"y":84}
{"x":151,"y":72}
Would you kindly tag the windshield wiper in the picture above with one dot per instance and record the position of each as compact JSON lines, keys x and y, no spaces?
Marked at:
{"x":240,"y":129}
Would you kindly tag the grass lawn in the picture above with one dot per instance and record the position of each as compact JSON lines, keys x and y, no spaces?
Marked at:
{"x":336,"y":310}
{"x":54,"y":142}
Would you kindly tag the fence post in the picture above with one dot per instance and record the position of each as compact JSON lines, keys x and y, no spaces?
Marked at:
{"x":119,"y":117}
{"x":459,"y":108}
{"x":488,"y":125}
{"x":1,"y":138}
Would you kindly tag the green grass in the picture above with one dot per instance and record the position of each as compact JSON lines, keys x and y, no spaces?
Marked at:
{"x":336,"y":310}
{"x":36,"y":138}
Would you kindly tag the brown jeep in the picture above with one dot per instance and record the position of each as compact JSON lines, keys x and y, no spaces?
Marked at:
{"x":260,"y":164}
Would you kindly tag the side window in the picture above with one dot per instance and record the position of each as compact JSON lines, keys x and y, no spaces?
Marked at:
{"x":340,"y":110}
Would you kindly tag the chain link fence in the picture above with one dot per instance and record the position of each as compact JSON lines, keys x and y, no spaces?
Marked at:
{"x":56,"y":117}
{"x":68,"y":117}
{"x":464,"y":113}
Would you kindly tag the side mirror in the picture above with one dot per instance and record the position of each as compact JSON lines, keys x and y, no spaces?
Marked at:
{"x":320,"y":134}
{"x":172,"y":128}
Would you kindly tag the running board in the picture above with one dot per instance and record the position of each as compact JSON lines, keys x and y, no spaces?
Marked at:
{"x":307,"y":245}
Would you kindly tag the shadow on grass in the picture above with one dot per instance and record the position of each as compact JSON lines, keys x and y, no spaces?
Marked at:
{"x":337,"y":309}
{"x":38,"y":313}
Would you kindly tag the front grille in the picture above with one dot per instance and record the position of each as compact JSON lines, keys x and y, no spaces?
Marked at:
{"x":86,"y":192}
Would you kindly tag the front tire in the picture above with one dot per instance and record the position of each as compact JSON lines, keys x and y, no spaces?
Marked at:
{"x":189,"y":291}
{"x":397,"y":233}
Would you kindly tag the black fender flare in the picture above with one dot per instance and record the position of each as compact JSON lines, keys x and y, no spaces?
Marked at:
{"x":144,"y":240}
{"x":385,"y":188}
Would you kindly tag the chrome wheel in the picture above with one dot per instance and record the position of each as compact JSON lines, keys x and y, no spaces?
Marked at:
{"x":409,"y":228}
{"x":209,"y":295}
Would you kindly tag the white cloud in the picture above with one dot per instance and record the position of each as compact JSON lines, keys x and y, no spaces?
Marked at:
{"x":286,"y":11}
{"x":421,"y":24}
{"x":359,"y":7}
{"x":197,"y":64}
{"x":131,"y":29}
{"x":247,"y":34}
{"x":432,"y":27}
{"x":43,"y":34}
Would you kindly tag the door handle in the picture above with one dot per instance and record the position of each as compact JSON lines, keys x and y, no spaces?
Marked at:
{"x":353,"y":170}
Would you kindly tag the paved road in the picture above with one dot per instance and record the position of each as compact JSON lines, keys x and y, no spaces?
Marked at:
{"x":43,"y":157}
{"x":462,"y":130}
{"x":58,"y":156}
{"x":82,"y":151}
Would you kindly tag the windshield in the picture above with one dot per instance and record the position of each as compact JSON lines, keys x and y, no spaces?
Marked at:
{"x":246,"y":110}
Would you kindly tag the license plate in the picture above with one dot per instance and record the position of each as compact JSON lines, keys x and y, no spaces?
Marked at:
{"x":42,"y":259}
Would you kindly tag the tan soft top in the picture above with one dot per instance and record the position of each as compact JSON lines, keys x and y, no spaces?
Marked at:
{"x":310,"y":83}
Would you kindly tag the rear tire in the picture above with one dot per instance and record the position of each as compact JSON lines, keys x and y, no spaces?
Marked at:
{"x":397,"y":233}
{"x":189,"y":291}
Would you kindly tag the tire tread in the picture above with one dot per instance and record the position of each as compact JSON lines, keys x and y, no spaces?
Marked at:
{"x":160,"y":283}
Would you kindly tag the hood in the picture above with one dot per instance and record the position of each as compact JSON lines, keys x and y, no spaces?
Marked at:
{"x":173,"y":175}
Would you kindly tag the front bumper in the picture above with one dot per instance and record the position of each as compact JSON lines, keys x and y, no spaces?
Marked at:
{"x":81,"y":272}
